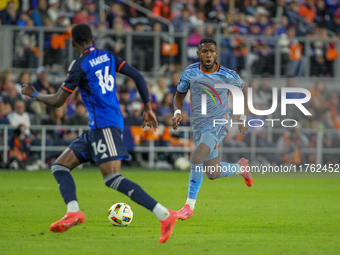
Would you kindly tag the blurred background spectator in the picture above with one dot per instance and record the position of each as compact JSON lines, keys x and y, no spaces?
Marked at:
{"x":159,"y":89}
{"x":42,"y":82}
{"x":80,"y":117}
{"x":20,"y":117}
{"x":9,"y":15}
{"x":40,"y":14}
{"x":19,"y":144}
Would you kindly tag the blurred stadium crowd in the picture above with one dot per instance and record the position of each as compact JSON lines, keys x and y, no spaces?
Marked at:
{"x":289,"y":19}
{"x":22,"y":112}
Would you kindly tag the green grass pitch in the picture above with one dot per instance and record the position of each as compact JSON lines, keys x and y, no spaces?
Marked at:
{"x":275,"y":216}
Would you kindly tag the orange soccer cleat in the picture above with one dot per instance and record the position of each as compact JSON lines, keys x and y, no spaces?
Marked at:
{"x":246,"y":174}
{"x":69,"y":220}
{"x":167,"y":226}
{"x":185,"y":212}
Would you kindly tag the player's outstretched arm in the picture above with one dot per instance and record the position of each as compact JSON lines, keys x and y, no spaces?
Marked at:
{"x":178,"y":104}
{"x":57,"y":99}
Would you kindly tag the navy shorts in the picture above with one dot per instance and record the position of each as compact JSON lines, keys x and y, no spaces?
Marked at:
{"x":100,"y":145}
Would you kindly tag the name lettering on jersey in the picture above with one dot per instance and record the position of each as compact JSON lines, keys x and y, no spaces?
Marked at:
{"x":99,"y":60}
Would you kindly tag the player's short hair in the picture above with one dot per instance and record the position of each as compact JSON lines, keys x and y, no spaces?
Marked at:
{"x":207,"y":40}
{"x":82,"y":34}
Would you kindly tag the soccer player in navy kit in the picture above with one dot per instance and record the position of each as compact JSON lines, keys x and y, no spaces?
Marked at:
{"x":94,"y":73}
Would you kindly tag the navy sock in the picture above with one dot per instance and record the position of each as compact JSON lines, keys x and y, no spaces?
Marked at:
{"x":134,"y":191}
{"x":66,"y":183}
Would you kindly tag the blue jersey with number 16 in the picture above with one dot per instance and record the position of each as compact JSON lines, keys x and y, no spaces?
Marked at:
{"x":94,"y":72}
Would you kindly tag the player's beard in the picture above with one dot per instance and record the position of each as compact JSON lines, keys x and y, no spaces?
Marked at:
{"x":207,"y":67}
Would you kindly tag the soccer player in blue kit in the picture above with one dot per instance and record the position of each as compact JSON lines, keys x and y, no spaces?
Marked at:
{"x":201,"y":78}
{"x":94,"y":73}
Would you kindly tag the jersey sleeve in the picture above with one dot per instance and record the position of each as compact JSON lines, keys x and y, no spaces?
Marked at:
{"x":139,"y":80}
{"x":74,"y":75}
{"x":184,"y":83}
{"x":119,"y":62}
{"x":241,"y":83}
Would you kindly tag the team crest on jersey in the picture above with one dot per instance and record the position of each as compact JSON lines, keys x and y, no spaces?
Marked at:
{"x":218,"y":82}
{"x":220,"y":92}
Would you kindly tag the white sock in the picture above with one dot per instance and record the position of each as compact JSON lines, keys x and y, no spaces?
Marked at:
{"x":191,"y":203}
{"x":73,"y":206}
{"x":239,"y":169}
{"x":161,"y":212}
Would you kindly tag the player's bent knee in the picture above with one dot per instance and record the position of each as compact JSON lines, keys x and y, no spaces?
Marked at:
{"x":59,"y":167}
{"x":113,"y":180}
{"x":68,"y":159}
{"x":196,"y":159}
{"x":213,"y":176}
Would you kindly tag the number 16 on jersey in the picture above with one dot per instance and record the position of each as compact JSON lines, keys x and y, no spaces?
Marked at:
{"x":106,"y":82}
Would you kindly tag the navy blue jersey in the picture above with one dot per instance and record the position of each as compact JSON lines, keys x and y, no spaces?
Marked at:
{"x":94,"y":72}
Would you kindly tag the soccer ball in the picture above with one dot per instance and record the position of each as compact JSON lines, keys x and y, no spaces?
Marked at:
{"x":120,"y":214}
{"x":182,"y":164}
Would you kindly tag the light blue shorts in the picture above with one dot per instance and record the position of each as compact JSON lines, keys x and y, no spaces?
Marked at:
{"x":212,"y":137}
